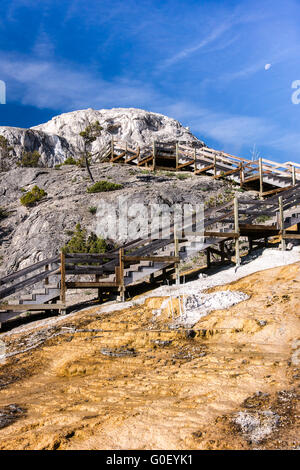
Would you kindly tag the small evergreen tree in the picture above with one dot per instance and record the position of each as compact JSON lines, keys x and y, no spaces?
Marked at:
{"x":80,"y":243}
{"x":33,"y":196}
{"x":5,"y":154}
{"x":89,"y":135}
{"x":30,"y":159}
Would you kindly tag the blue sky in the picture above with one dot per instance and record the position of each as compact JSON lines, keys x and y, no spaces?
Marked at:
{"x":201,"y":62}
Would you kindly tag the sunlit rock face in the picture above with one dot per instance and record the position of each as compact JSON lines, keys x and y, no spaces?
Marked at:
{"x":136,"y":126}
{"x":52,"y":148}
{"x":59,"y":138}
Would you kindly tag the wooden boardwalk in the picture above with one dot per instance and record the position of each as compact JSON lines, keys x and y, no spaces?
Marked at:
{"x":267,"y":176}
{"x":153,"y":259}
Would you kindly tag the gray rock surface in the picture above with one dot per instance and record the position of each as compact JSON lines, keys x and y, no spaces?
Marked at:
{"x":52,"y":148}
{"x":29,"y":235}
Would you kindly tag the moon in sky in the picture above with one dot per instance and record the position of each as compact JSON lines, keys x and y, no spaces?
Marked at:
{"x":268,"y":66}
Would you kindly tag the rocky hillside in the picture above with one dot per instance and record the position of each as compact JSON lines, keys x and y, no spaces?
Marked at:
{"x":59,"y":138}
{"x":31,"y":234}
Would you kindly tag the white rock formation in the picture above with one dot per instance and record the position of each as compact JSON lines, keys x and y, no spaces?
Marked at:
{"x":52,"y":148}
{"x":59,"y":138}
{"x":135,"y":126}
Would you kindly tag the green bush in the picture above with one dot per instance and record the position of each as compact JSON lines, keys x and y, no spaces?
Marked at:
{"x":70,"y":161}
{"x":182,"y":176}
{"x":33,"y":196}
{"x":102,"y":186}
{"x":81,"y":243}
{"x":29,"y":159}
{"x":93,"y":210}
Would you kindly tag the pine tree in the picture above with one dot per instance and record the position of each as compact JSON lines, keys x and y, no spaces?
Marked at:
{"x":89,"y":135}
{"x":5,"y":154}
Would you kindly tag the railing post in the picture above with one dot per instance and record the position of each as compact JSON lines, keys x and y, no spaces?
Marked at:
{"x":215,"y":165}
{"x":237,"y":231}
{"x":121,"y":275}
{"x":242,"y":176}
{"x":47,"y":278}
{"x":281,"y":223}
{"x":293,"y":175}
{"x":63,"y":279}
{"x":154,"y":155}
{"x":261,"y":183}
{"x":176,"y":252}
{"x":195,"y":157}
{"x":138,"y":153}
{"x":177,"y":155}
{"x":208,"y":260}
{"x":112,"y":150}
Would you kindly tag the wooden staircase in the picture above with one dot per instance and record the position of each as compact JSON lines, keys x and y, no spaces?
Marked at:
{"x":266,"y":176}
{"x":147,"y":259}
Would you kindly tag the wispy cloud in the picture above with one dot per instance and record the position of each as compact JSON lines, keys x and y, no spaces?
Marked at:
{"x":60,"y":85}
{"x":188,"y":51}
{"x":235,"y":132}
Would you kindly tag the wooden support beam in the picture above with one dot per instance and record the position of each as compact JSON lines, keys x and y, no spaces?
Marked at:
{"x":242,"y":174}
{"x":275,"y":191}
{"x":182,"y":165}
{"x":202,"y":170}
{"x":250,"y":241}
{"x":121,"y":275}
{"x":91,"y":284}
{"x":112,"y":149}
{"x":291,"y":236}
{"x":293,"y":175}
{"x":221,"y":234}
{"x":62,"y":278}
{"x":118,"y":157}
{"x":145,"y":160}
{"x":176,"y":252}
{"x":177,"y":155}
{"x":281,"y":223}
{"x":154,"y":155}
{"x":251,"y":178}
{"x":261,"y":184}
{"x":159,"y":259}
{"x":237,"y":230}
{"x":258,"y":227}
{"x":47,"y":278}
{"x":227,"y":173}
{"x":208,"y":259}
{"x":220,"y":253}
{"x":25,"y":307}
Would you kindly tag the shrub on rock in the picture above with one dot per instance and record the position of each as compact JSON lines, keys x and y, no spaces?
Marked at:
{"x":103,"y":186}
{"x":30,"y":198}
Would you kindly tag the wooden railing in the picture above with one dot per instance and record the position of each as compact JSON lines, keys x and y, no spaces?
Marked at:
{"x":20,"y":285}
{"x":167,"y":155}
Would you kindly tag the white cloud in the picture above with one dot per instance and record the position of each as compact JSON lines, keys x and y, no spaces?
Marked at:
{"x":59,"y":85}
{"x":216,"y":33}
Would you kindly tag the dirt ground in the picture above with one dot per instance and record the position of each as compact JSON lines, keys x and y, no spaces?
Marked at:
{"x":127,"y":380}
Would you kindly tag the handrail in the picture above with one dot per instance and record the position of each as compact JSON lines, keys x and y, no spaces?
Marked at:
{"x":27,"y":282}
{"x":28,"y":269}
